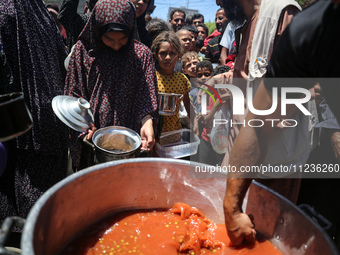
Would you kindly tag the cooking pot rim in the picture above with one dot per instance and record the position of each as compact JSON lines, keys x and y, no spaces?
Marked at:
{"x":168,"y":94}
{"x":28,"y":231}
{"x":18,"y":123}
{"x":11,"y":97}
{"x":29,"y":228}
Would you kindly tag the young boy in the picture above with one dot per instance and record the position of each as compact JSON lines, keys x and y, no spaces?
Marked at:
{"x":186,"y":42}
{"x":189,"y":62}
{"x":194,"y":34}
{"x":206,"y":153}
{"x":184,"y":36}
{"x":202,"y":74}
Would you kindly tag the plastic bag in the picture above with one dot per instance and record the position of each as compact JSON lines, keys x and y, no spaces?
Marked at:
{"x":220,"y":130}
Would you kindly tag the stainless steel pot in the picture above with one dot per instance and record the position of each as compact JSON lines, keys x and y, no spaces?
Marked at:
{"x":90,"y":195}
{"x":132,"y":140}
{"x":15,"y":116}
{"x":167,"y":103}
{"x":76,"y":114}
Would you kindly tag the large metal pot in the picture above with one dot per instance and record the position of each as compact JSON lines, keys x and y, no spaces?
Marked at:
{"x":131,"y":139}
{"x":90,"y":195}
{"x":167,"y":103}
{"x":15,"y":116}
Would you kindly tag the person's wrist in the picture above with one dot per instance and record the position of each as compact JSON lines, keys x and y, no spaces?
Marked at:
{"x":231,"y":208}
{"x":146,"y":118}
{"x":230,"y":217}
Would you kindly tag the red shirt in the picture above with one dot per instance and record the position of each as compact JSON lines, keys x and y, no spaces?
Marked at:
{"x":211,"y":36}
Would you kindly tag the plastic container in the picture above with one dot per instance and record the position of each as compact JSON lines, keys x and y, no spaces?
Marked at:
{"x":177,"y":144}
{"x":219,"y":133}
{"x":219,"y":141}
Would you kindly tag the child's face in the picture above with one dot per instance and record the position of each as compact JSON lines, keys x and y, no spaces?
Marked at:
{"x":189,"y":67}
{"x":202,"y":32}
{"x":193,"y":40}
{"x":167,"y":57}
{"x":115,"y":40}
{"x":203,"y":73}
{"x":141,"y":6}
{"x":185,"y":38}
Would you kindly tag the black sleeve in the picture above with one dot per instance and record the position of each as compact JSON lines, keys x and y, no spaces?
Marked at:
{"x":288,"y":58}
{"x":290,"y":63}
{"x":71,"y":20}
{"x":308,"y":51}
{"x":6,"y":78}
{"x":287,"y":66}
{"x":143,"y":33}
{"x":303,"y":48}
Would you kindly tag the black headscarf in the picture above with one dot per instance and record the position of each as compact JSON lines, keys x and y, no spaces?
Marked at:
{"x":142,"y":32}
{"x":92,"y":3}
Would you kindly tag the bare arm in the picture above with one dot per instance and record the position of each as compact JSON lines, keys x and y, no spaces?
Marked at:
{"x":147,"y":135}
{"x":207,"y":120}
{"x":249,"y":149}
{"x":335,"y":141}
{"x":223,"y":55}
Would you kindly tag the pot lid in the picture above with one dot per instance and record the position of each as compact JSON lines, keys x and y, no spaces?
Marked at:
{"x":74,"y":112}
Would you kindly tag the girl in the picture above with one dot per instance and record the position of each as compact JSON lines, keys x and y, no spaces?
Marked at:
{"x":114,"y":72}
{"x":166,"y":49}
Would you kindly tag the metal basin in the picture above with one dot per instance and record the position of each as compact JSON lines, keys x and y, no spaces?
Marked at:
{"x":90,"y":195}
{"x":167,"y":103}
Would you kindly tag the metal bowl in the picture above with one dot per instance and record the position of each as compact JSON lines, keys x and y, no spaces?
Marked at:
{"x":131,"y":139}
{"x":167,"y":103}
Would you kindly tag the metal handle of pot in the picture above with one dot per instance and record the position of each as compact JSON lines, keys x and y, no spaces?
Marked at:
{"x":5,"y":233}
{"x":88,"y":143}
{"x":143,"y":151}
{"x":321,"y":220}
{"x":180,"y":96}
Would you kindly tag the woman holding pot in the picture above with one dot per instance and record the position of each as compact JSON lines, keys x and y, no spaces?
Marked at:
{"x":115,"y":73}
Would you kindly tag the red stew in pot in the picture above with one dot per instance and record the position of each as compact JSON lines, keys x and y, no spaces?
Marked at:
{"x":180,"y":230}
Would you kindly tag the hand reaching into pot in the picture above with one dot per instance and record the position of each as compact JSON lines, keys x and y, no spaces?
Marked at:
{"x":240,"y":226}
{"x":148,"y":136}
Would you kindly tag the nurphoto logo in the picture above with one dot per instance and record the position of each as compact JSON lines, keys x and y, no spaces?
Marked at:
{"x":239,"y":109}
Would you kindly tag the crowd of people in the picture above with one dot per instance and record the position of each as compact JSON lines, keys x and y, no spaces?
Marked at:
{"x":119,"y":59}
